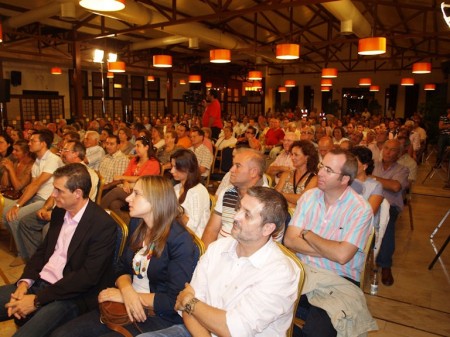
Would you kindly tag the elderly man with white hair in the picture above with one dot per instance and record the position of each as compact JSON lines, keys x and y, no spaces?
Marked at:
{"x":283,"y":162}
{"x":94,"y":152}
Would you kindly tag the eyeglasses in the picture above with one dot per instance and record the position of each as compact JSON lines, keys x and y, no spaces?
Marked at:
{"x":327,"y":169}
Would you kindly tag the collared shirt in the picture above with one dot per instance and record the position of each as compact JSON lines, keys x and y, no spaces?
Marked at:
{"x":54,"y":268}
{"x":257,"y":292}
{"x":48,"y":164}
{"x":395,"y":172}
{"x":283,"y":159}
{"x":113,"y":165}
{"x":94,"y":154}
{"x":223,"y":143}
{"x":204,"y":157}
{"x":348,"y":219}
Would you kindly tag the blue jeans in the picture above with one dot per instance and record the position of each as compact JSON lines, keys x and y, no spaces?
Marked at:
{"x":178,"y":330}
{"x":387,"y":248}
{"x":43,"y":321}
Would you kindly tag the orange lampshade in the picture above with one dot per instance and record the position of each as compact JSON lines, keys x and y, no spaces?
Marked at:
{"x":429,"y":87}
{"x":220,"y":55}
{"x":103,"y":5}
{"x":255,"y":75}
{"x":365,"y":81}
{"x":150,"y":78}
{"x":289,"y":83}
{"x":288,"y":51}
{"x":374,"y":88}
{"x":162,"y":61}
{"x":407,"y":81}
{"x":56,"y":71}
{"x":195,"y":79}
{"x":109,"y":75}
{"x":208,"y":85}
{"x":257,"y":84}
{"x":421,"y":68}
{"x":326,"y":82}
{"x":329,"y":72}
{"x":182,"y":82}
{"x":282,"y":89}
{"x":116,"y":67}
{"x":325,"y":89}
{"x":372,"y":46}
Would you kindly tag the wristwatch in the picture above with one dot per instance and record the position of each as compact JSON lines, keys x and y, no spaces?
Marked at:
{"x":17,"y":205}
{"x":190,"y":306}
{"x":37,"y":305}
{"x":304,"y":233}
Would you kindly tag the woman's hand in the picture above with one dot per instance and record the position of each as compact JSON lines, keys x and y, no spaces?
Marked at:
{"x":8,"y":164}
{"x":110,"y":294}
{"x":126,"y":187}
{"x":133,"y":304}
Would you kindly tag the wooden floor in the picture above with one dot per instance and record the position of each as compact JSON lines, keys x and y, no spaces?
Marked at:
{"x":418,"y":304}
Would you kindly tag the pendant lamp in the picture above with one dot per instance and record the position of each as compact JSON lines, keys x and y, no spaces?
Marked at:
{"x":366,"y":81}
{"x":326,"y":82}
{"x":374,"y":88}
{"x":407,"y":81}
{"x":56,"y":71}
{"x":150,"y":78}
{"x":429,"y":87}
{"x":116,"y":67}
{"x":103,"y":5}
{"x":288,"y":51}
{"x":372,"y":46}
{"x":329,"y":72}
{"x":255,"y":75}
{"x":421,"y":68}
{"x":162,"y":61}
{"x":289,"y":83}
{"x":195,"y":79}
{"x":220,"y":56}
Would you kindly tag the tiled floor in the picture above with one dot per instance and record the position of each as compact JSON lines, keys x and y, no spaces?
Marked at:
{"x":418,"y":304}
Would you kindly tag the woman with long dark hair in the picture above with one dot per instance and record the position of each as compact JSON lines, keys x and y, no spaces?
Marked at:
{"x":17,"y":173}
{"x":158,"y":260}
{"x":191,"y":194}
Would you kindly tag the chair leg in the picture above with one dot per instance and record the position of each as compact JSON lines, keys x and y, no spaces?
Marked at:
{"x":411,"y":222}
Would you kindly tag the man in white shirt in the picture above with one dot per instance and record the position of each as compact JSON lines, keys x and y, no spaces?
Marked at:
{"x":94,"y":152}
{"x":204,"y":156}
{"x":283,"y":162}
{"x":36,"y":192}
{"x":244,"y":285}
{"x":114,"y":163}
{"x":227,"y":140}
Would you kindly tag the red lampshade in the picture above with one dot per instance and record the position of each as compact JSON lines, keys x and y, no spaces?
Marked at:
{"x":109,"y":75}
{"x":372,"y":46}
{"x":429,"y":87}
{"x":116,"y":67}
{"x":208,"y":85}
{"x":407,"y":81}
{"x":150,"y":78}
{"x":195,"y":79}
{"x":365,"y":81}
{"x":421,"y":68}
{"x":220,"y":56}
{"x":257,"y":84}
{"x":325,"y":89}
{"x":282,"y":89}
{"x":255,"y":75}
{"x":329,"y":72}
{"x":182,"y":82}
{"x":56,"y":71}
{"x":374,"y":88}
{"x":326,"y":82}
{"x":288,"y":51}
{"x":289,"y":83}
{"x":162,"y":61}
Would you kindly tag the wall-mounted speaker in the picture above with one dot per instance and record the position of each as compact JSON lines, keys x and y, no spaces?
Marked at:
{"x":16,"y":78}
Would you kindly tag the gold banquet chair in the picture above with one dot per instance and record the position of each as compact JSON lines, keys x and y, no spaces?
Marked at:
{"x":2,"y":274}
{"x":198,"y":242}
{"x":286,"y":251}
{"x":122,"y":234}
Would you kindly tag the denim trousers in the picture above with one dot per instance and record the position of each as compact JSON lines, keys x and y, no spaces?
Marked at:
{"x":178,"y":330}
{"x":387,"y":248}
{"x":43,"y":321}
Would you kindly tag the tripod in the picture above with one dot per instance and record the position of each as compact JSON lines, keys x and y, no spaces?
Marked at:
{"x":438,"y":255}
{"x":435,"y":169}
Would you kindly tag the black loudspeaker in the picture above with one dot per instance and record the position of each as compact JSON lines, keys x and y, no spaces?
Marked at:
{"x":16,"y":78}
{"x":126,"y":96}
{"x":5,"y":91}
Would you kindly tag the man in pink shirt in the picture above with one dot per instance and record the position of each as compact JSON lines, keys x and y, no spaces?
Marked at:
{"x":64,"y":276}
{"x":212,"y":117}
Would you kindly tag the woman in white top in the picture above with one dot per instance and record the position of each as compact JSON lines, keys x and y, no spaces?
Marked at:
{"x":191,"y":194}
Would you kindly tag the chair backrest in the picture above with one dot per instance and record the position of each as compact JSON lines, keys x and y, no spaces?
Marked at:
{"x":122,"y":234}
{"x":299,"y":264}
{"x":198,"y":242}
{"x":367,"y":252}
{"x":212,"y":202}
{"x":100,"y":187}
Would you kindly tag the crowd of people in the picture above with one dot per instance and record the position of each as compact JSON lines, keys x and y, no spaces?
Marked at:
{"x":321,"y":196}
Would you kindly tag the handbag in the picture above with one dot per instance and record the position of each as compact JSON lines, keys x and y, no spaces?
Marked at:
{"x":11,"y":193}
{"x":114,"y":315}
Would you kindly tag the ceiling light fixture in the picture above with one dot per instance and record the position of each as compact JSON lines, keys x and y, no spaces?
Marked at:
{"x":56,"y":71}
{"x":289,"y":83}
{"x":282,"y":89}
{"x":325,"y":89}
{"x":329,"y":72}
{"x":116,"y":67}
{"x":372,"y":46}
{"x":103,"y":5}
{"x":288,"y":51}
{"x":374,"y":88}
{"x":365,"y":81}
{"x":208,"y":85}
{"x":195,"y":79}
{"x":109,"y":75}
{"x":407,"y":81}
{"x":255,"y":75}
{"x":257,"y":84}
{"x":150,"y":78}
{"x":182,"y":82}
{"x":162,"y":61}
{"x":421,"y":68}
{"x":220,"y":56}
{"x":326,"y":82}
{"x":429,"y":87}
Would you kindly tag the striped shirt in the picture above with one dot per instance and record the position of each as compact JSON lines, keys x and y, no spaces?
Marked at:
{"x":348,"y":219}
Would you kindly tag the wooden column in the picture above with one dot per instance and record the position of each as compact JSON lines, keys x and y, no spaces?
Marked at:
{"x":77,"y":81}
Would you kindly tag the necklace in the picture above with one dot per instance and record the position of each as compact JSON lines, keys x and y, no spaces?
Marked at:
{"x":141,"y":261}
